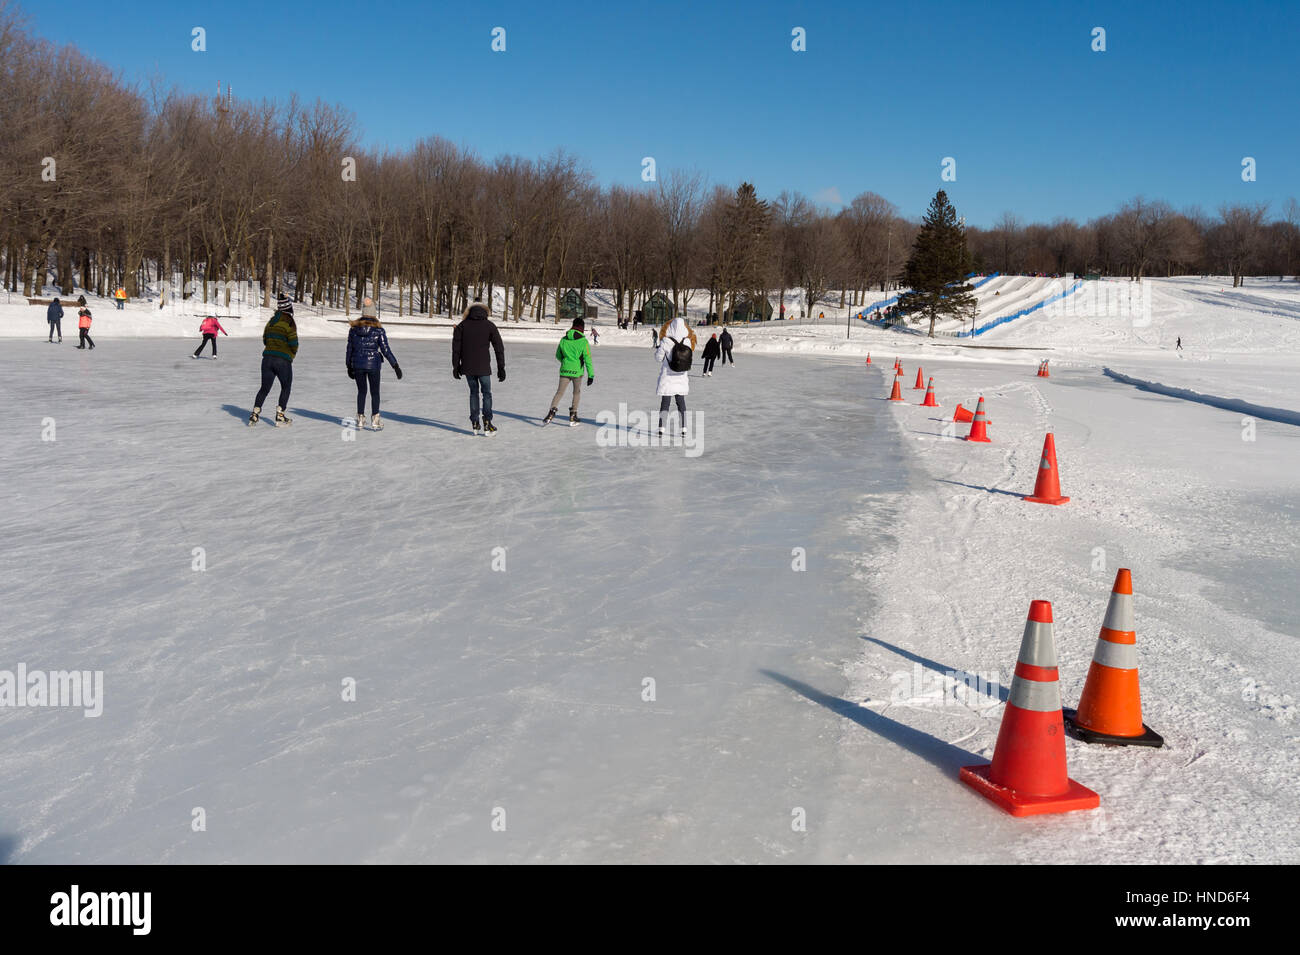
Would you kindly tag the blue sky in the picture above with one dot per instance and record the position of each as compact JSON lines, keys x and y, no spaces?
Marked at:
{"x":1037,"y":122}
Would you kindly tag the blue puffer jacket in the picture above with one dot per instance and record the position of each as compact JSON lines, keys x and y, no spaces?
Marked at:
{"x":54,"y":312}
{"x":368,"y":346}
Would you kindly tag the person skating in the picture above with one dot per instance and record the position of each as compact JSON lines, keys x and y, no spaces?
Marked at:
{"x":711,"y":351}
{"x":725,"y":343}
{"x":280,"y":347}
{"x":367,"y":349}
{"x":83,"y":326}
{"x":1178,"y":345}
{"x":472,"y":343}
{"x":54,"y":315}
{"x":209,"y":328}
{"x":674,"y":383}
{"x":574,"y":355}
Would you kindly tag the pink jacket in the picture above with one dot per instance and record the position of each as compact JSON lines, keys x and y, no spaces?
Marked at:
{"x":211,"y":326}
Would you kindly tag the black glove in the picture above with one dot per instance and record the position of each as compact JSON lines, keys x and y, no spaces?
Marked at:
{"x":351,"y":372}
{"x":590,"y":381}
{"x":397,"y":370}
{"x":501,"y":374}
{"x":455,"y":373}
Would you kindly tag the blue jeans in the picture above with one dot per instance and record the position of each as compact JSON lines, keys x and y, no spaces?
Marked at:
{"x":475,"y":383}
{"x":275,"y":368}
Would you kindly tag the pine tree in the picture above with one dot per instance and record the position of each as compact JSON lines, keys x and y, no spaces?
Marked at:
{"x":936,"y":271}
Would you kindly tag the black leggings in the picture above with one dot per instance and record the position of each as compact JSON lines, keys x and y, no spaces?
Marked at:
{"x":204,"y":344}
{"x":708,"y":365}
{"x":273,"y":368}
{"x":663,"y":409}
{"x":364,"y":377}
{"x":85,"y":338}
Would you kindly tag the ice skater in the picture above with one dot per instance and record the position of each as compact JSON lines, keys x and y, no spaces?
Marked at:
{"x":367,"y":349}
{"x":1178,"y":344}
{"x":83,"y":326}
{"x":711,"y":352}
{"x":209,"y":328}
{"x":674,"y":362}
{"x":574,"y":355}
{"x":54,"y":315}
{"x":472,"y":344}
{"x":725,"y":343}
{"x":279,"y":349}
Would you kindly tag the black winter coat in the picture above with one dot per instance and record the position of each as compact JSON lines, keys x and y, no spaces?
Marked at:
{"x":712,"y":349}
{"x":725,"y":339}
{"x":470,"y":341}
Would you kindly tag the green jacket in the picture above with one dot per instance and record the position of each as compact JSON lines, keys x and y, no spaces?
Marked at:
{"x":573,"y":353}
{"x":280,"y":337}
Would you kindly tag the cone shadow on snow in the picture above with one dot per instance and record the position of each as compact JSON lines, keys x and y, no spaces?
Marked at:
{"x":980,"y":487}
{"x":947,"y":757}
{"x":1004,"y":693}
{"x":7,"y":846}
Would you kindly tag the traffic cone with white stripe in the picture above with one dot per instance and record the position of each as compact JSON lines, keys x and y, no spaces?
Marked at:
{"x":930,"y":401}
{"x":1110,"y":709}
{"x":1043,"y":372}
{"x":979,"y":425}
{"x":896,"y":394}
{"x":1028,"y":775}
{"x":920,"y":382}
{"x":1047,"y":489}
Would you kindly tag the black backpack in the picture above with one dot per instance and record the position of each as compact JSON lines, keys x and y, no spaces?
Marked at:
{"x":679,"y":359}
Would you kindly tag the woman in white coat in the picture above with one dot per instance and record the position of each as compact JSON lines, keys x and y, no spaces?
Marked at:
{"x":672,"y":384}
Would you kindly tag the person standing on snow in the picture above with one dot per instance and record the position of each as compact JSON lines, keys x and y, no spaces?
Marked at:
{"x":209,"y":328}
{"x":711,"y":351}
{"x":1179,"y":344}
{"x":725,"y":343}
{"x":574,"y":355}
{"x":280,"y":347}
{"x":472,"y":342}
{"x":54,"y":315}
{"x":83,"y":324}
{"x":367,"y":349}
{"x":673,"y":384}
{"x":119,"y":298}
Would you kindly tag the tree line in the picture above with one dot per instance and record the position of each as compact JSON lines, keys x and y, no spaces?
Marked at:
{"x":105,"y":184}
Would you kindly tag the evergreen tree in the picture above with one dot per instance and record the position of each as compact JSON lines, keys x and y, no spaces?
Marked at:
{"x":936,"y":271}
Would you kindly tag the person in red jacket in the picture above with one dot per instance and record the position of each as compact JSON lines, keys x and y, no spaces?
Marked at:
{"x":83,"y":324}
{"x":209,"y":328}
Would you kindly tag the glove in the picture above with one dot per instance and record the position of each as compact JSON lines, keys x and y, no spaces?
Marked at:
{"x":397,"y":370}
{"x":455,"y":373}
{"x":352,"y":372}
{"x":590,"y":381}
{"x":501,"y":374}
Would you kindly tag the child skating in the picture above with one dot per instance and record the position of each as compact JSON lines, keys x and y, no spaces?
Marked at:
{"x":574,"y":355}
{"x":209,"y":328}
{"x":367,"y":349}
{"x":83,"y":326}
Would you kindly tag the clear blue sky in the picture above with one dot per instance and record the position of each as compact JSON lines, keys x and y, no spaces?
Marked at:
{"x":1037,"y":121}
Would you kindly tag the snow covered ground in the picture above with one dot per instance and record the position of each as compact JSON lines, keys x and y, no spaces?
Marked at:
{"x":522,"y":690}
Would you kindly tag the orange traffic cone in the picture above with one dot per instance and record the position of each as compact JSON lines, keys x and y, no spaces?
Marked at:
{"x":1046,"y":372}
{"x":979,"y":425}
{"x":1047,"y":489}
{"x":920,"y":382}
{"x":962,"y":414}
{"x":896,"y":394}
{"x":1028,"y":775}
{"x":929,"y":401}
{"x":1110,"y":709}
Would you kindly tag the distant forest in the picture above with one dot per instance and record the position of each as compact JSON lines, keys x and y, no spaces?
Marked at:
{"x":103,"y":184}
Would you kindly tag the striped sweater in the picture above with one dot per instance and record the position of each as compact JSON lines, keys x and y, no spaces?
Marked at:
{"x":280,"y":337}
